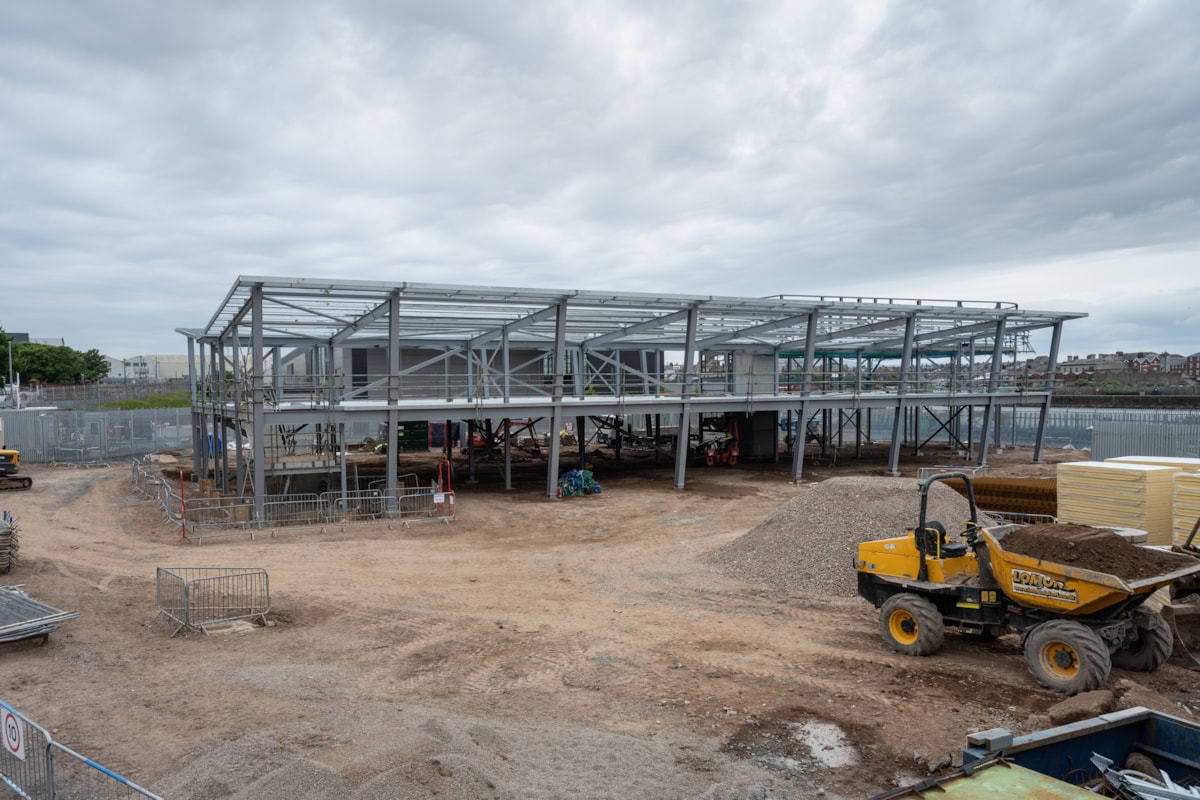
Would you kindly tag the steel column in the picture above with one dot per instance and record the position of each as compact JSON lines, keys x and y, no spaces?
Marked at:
{"x":993,"y":385}
{"x":392,"y":426}
{"x":1051,"y":369}
{"x":683,"y":438}
{"x":556,"y":411}
{"x":910,"y":326}
{"x":258,"y":440}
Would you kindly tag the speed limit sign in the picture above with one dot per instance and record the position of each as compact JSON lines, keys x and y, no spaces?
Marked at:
{"x":14,"y":734}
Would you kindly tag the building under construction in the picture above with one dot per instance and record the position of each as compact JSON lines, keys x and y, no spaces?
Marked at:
{"x":288,"y":371}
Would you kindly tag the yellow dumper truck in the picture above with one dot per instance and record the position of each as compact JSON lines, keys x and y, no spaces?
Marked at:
{"x":1077,"y":595}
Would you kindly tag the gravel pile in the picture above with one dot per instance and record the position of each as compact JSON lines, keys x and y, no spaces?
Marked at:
{"x":808,"y":544}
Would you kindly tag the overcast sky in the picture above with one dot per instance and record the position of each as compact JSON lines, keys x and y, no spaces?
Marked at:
{"x":1046,"y":153}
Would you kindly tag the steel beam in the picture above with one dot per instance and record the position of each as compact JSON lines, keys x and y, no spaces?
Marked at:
{"x":683,"y":439}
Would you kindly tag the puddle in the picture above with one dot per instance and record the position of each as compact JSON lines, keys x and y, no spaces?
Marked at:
{"x":826,"y":742}
{"x":686,"y":519}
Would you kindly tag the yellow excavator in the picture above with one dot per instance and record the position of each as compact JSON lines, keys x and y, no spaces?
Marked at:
{"x":10,"y":465}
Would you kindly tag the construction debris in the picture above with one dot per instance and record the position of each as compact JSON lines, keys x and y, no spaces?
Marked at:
{"x":9,"y":542}
{"x":22,"y":617}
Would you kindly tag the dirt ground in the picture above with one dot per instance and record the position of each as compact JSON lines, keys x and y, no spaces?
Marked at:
{"x":530,"y":649}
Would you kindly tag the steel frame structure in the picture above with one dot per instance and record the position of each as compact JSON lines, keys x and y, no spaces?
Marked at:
{"x":280,"y":353}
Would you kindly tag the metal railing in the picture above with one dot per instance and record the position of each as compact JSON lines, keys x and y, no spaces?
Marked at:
{"x":35,"y":766}
{"x":324,"y":392}
{"x":204,"y":597}
{"x":201,"y":518}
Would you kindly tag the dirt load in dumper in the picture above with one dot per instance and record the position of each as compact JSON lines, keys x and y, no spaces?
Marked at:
{"x":1076,"y":594}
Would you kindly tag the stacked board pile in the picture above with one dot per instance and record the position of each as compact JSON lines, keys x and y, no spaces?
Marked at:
{"x":1185,"y":464}
{"x":1118,"y":494}
{"x":1185,"y":508}
{"x":9,"y":541}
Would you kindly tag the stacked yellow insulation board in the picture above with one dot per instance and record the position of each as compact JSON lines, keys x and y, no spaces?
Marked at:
{"x":1120,"y":494}
{"x":1187,"y":506}
{"x":1185,"y":464}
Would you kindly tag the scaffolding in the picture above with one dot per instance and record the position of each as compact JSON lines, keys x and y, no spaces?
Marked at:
{"x":332,"y":358}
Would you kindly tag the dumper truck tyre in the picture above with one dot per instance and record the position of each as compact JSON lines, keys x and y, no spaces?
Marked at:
{"x":1153,"y":646}
{"x":1067,"y":657}
{"x":912,"y":625}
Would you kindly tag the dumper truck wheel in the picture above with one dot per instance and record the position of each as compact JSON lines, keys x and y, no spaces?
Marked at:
{"x":1153,"y":646}
{"x":1067,"y":657}
{"x":912,"y":625}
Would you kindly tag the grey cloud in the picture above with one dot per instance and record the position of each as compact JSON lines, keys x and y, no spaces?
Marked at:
{"x":722,"y":148}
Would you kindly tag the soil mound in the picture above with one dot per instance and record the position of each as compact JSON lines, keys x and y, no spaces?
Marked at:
{"x":1090,"y":548}
{"x":808,"y":544}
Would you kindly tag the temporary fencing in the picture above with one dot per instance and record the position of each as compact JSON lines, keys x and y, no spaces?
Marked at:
{"x":357,"y":505}
{"x":1177,"y":436}
{"x":145,"y":479}
{"x":91,"y":438}
{"x":204,"y":597}
{"x":35,"y":766}
{"x":200,"y":517}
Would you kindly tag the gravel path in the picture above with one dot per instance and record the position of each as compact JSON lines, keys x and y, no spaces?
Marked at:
{"x":808,"y":544}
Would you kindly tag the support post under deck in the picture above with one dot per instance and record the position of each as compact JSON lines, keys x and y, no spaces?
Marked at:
{"x":1051,"y":369}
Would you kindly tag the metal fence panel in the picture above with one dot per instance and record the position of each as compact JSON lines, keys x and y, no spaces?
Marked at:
{"x":201,"y":597}
{"x":355,"y":505}
{"x":35,"y":766}
{"x":294,"y":509}
{"x":1146,"y":438}
{"x":218,"y":512}
{"x":27,"y":771}
{"x":77,"y":777}
{"x":82,"y":438}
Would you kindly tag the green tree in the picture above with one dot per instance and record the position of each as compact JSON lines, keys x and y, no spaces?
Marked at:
{"x":94,"y":366}
{"x":47,"y":363}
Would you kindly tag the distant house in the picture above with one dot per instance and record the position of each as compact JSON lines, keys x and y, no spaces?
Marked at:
{"x":1093,"y":366}
{"x":1157,"y":363}
{"x":1146,"y":363}
{"x":1191,"y":366}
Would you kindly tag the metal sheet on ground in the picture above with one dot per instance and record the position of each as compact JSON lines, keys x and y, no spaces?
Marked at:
{"x":22,"y":617}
